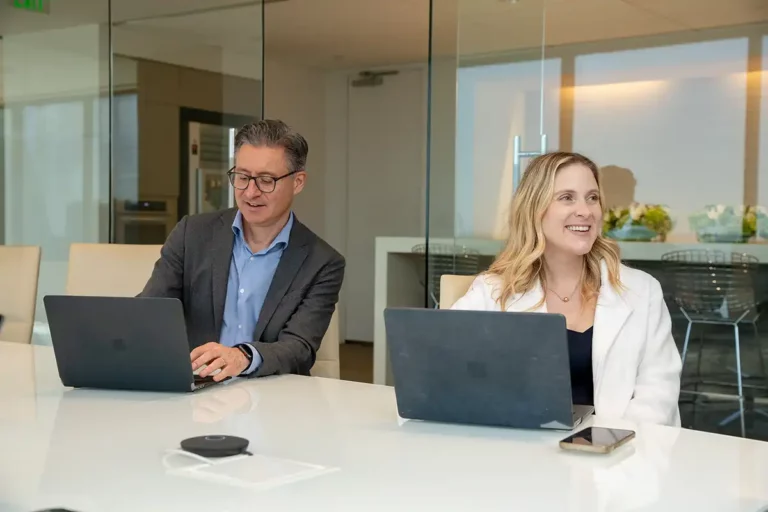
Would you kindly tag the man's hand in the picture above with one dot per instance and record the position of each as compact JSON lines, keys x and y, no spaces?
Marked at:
{"x":230,"y":360}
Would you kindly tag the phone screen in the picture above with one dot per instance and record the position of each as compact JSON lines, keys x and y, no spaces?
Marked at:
{"x":598,"y":436}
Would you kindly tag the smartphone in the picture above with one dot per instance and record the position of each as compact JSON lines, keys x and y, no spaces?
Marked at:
{"x":597,"y":439}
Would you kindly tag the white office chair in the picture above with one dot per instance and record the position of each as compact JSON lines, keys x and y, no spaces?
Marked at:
{"x":452,"y":288}
{"x":446,"y":259}
{"x":110,"y":270}
{"x":19,"y":273}
{"x":327,"y":359}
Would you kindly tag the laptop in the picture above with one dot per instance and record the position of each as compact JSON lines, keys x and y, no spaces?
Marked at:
{"x":129,"y":343}
{"x":482,"y":367}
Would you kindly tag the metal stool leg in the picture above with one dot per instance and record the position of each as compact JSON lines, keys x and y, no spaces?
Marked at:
{"x":434,"y":300}
{"x":698,"y":360}
{"x":685,"y":345}
{"x":738,"y":359}
{"x":738,"y":370}
{"x":759,"y":344}
{"x":743,"y":427}
{"x":740,"y":413}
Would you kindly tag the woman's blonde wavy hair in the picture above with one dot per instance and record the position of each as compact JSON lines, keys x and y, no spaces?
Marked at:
{"x":521,"y":263}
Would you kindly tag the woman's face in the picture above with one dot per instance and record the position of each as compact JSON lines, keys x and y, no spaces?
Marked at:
{"x":574,"y":216}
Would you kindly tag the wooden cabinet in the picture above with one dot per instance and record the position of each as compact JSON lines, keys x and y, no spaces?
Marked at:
{"x":158,"y":148}
{"x":163,"y":90}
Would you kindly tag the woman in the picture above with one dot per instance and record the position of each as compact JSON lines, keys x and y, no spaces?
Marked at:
{"x":623,"y":358}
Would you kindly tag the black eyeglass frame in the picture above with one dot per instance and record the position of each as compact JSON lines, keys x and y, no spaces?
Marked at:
{"x":232,"y":173}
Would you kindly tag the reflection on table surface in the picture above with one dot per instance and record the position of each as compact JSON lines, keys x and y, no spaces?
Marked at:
{"x":335,"y":445}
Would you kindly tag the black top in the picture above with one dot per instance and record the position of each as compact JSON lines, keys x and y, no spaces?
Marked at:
{"x":580,"y":350}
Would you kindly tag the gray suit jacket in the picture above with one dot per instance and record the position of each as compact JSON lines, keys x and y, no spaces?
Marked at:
{"x":194,"y":267}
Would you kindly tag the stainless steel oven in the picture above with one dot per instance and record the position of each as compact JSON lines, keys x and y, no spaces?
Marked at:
{"x":146,"y":221}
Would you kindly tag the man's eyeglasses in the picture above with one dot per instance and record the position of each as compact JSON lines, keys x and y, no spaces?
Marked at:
{"x":265,"y":183}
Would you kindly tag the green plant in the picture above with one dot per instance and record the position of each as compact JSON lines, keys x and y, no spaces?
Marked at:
{"x":719,"y":220}
{"x":655,"y":217}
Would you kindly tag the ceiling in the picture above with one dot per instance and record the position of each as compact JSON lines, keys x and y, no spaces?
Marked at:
{"x":371,"y":33}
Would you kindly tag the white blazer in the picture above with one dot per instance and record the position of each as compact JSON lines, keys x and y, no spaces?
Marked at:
{"x":635,"y":363}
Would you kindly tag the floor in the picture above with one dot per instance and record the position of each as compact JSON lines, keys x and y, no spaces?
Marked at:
{"x":699,"y":413}
{"x":356,"y":361}
{"x":717,"y":375}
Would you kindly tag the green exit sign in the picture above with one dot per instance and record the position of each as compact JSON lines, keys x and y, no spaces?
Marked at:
{"x":32,"y":5}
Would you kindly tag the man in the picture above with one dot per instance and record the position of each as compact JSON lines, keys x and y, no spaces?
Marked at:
{"x":258,"y":287}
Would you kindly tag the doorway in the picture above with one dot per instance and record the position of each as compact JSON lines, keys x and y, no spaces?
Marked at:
{"x":386,"y":167}
{"x":206,"y":153}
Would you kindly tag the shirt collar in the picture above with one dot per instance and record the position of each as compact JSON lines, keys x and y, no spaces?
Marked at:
{"x":281,"y":239}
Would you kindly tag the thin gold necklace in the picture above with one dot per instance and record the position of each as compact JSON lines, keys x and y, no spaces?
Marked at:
{"x":568,"y":298}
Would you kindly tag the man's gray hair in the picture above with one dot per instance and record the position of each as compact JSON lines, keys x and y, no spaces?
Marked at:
{"x":274,"y":133}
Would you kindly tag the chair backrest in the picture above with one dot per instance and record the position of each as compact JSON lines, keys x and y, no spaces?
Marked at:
{"x":327,"y":360}
{"x":452,"y":288}
{"x":446,"y":259}
{"x":110,"y":270}
{"x":19,"y":273}
{"x":712,"y":285}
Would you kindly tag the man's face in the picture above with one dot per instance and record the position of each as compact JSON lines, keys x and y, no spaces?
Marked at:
{"x":265,"y":208}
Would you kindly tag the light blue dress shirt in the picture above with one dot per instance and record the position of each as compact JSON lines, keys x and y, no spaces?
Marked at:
{"x":250,"y":275}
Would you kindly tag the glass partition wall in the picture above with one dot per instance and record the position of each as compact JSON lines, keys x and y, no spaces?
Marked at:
{"x":55,"y":104}
{"x":117,"y":118}
{"x":669,"y":98}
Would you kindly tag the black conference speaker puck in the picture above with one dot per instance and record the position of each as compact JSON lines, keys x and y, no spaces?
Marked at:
{"x":215,"y":446}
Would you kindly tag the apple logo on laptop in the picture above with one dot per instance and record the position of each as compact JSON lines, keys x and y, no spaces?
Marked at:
{"x":119,"y":345}
{"x":477,"y":370}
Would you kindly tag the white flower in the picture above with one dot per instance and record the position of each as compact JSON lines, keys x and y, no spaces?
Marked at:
{"x":637,"y":210}
{"x":713,"y":215}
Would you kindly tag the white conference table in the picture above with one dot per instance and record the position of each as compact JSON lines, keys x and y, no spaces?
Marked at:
{"x":323,"y":444}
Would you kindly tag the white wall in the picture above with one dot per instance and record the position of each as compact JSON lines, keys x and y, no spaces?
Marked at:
{"x":336,"y":158}
{"x":376,"y":170}
{"x":443,"y":190}
{"x":673,"y":115}
{"x":296,"y":95}
{"x":376,"y":153}
{"x":385,"y":181}
{"x":317,"y":104}
{"x":762,"y":165}
{"x":496,"y":103}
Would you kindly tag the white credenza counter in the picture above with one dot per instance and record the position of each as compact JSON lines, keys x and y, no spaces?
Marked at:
{"x":397,"y":269}
{"x":329,"y":445}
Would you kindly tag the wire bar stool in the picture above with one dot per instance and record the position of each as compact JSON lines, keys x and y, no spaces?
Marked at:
{"x":716,"y":288}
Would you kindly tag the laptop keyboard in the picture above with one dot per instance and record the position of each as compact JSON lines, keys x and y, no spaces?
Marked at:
{"x":203,"y":382}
